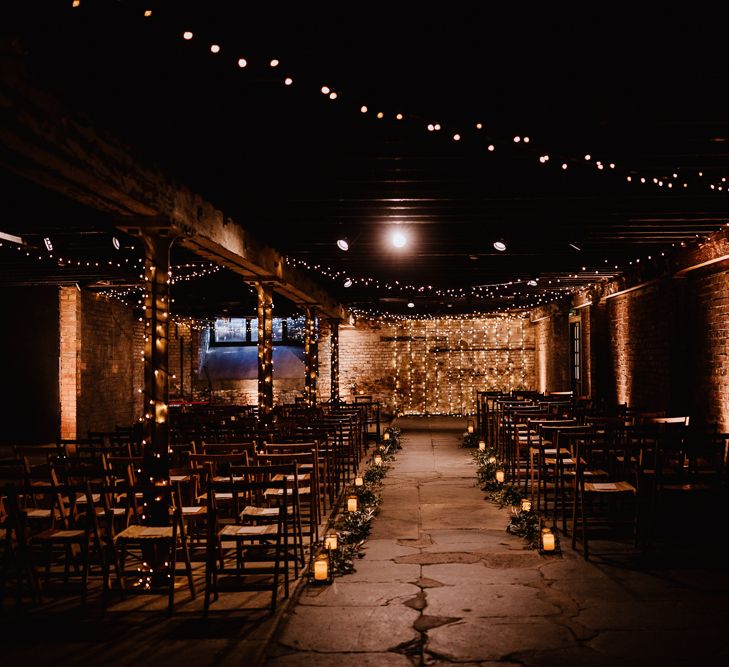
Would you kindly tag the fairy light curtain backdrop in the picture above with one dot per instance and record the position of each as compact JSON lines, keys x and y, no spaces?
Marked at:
{"x":432,"y":366}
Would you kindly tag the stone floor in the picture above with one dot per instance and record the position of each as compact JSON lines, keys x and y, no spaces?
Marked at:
{"x":442,"y":582}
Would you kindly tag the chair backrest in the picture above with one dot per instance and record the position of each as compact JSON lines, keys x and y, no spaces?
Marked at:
{"x":249,"y":448}
{"x":220,"y":462}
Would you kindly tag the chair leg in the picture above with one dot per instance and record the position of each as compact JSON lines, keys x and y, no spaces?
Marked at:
{"x":86,"y":556}
{"x":171,"y":575}
{"x":186,"y":557}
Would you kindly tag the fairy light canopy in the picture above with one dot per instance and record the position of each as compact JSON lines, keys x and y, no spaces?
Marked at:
{"x":582,"y":151}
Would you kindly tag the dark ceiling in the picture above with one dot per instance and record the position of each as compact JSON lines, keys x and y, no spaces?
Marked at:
{"x":300,"y":170}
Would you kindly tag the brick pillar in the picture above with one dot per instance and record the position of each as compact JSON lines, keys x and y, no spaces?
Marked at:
{"x":334,"y":337}
{"x":311,"y":356}
{"x":68,"y":375}
{"x":265,"y":351}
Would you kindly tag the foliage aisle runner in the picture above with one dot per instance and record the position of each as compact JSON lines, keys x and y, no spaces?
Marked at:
{"x":350,"y":524}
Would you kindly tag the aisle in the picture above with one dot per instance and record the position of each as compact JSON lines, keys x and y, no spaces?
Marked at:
{"x":443,"y":582}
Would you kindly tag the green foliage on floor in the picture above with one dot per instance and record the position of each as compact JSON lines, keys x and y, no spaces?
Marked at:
{"x":353,"y":528}
{"x":523,"y":523}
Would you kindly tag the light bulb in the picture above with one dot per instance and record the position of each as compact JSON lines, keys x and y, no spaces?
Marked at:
{"x":398,"y":239}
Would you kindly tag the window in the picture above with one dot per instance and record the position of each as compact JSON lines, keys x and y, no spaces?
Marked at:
{"x":229,"y":331}
{"x":576,"y":357}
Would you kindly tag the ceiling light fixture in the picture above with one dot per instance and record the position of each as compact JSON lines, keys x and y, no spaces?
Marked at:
{"x":343,"y":244}
{"x":532,"y":282}
{"x":348,"y":282}
{"x":115,"y":243}
{"x":500,"y":245}
{"x":411,"y":304}
{"x":576,"y":247}
{"x":398,"y":239}
{"x":48,"y":244}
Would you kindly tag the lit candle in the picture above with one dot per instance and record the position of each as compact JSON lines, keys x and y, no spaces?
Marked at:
{"x":330,"y":542}
{"x":386,"y":436}
{"x":358,"y":481}
{"x":548,"y":541}
{"x":500,"y":476}
{"x":482,"y":445}
{"x":321,"y":568}
{"x":378,"y":460}
{"x":526,"y":505}
{"x":352,"y":504}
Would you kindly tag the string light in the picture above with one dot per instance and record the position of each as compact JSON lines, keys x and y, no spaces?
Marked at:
{"x":517,"y":139}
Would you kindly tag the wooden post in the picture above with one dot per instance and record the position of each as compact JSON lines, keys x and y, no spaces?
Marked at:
{"x":155,"y":468}
{"x":265,"y":351}
{"x":311,"y":356}
{"x":334,"y":334}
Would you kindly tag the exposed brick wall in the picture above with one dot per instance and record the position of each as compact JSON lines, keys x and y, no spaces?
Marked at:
{"x":366,"y":364}
{"x":639,"y":333}
{"x":183,"y":349}
{"x":432,"y":366}
{"x":245,"y":392}
{"x":70,"y":348}
{"x":108,"y":389}
{"x":101,"y":366}
{"x":708,"y":308}
{"x":552,"y":343}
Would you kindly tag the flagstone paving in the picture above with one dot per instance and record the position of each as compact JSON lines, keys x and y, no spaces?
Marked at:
{"x":441,"y":582}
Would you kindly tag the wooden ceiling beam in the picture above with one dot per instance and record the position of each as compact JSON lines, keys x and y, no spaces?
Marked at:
{"x":40,"y":141}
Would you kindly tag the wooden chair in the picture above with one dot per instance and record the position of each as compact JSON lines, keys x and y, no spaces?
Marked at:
{"x":144,"y":541}
{"x":591,"y":495}
{"x":71,"y":543}
{"x":307,"y":486}
{"x":259,"y":549}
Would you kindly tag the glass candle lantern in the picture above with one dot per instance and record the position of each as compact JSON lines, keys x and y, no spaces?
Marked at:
{"x":482,"y":445}
{"x":358,"y":481}
{"x":492,"y":460}
{"x":322,"y":571}
{"x":500,"y":476}
{"x":526,"y":505}
{"x":548,"y":541}
{"x":378,"y":460}
{"x":352,"y":504}
{"x":386,"y":436}
{"x":331,"y":541}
